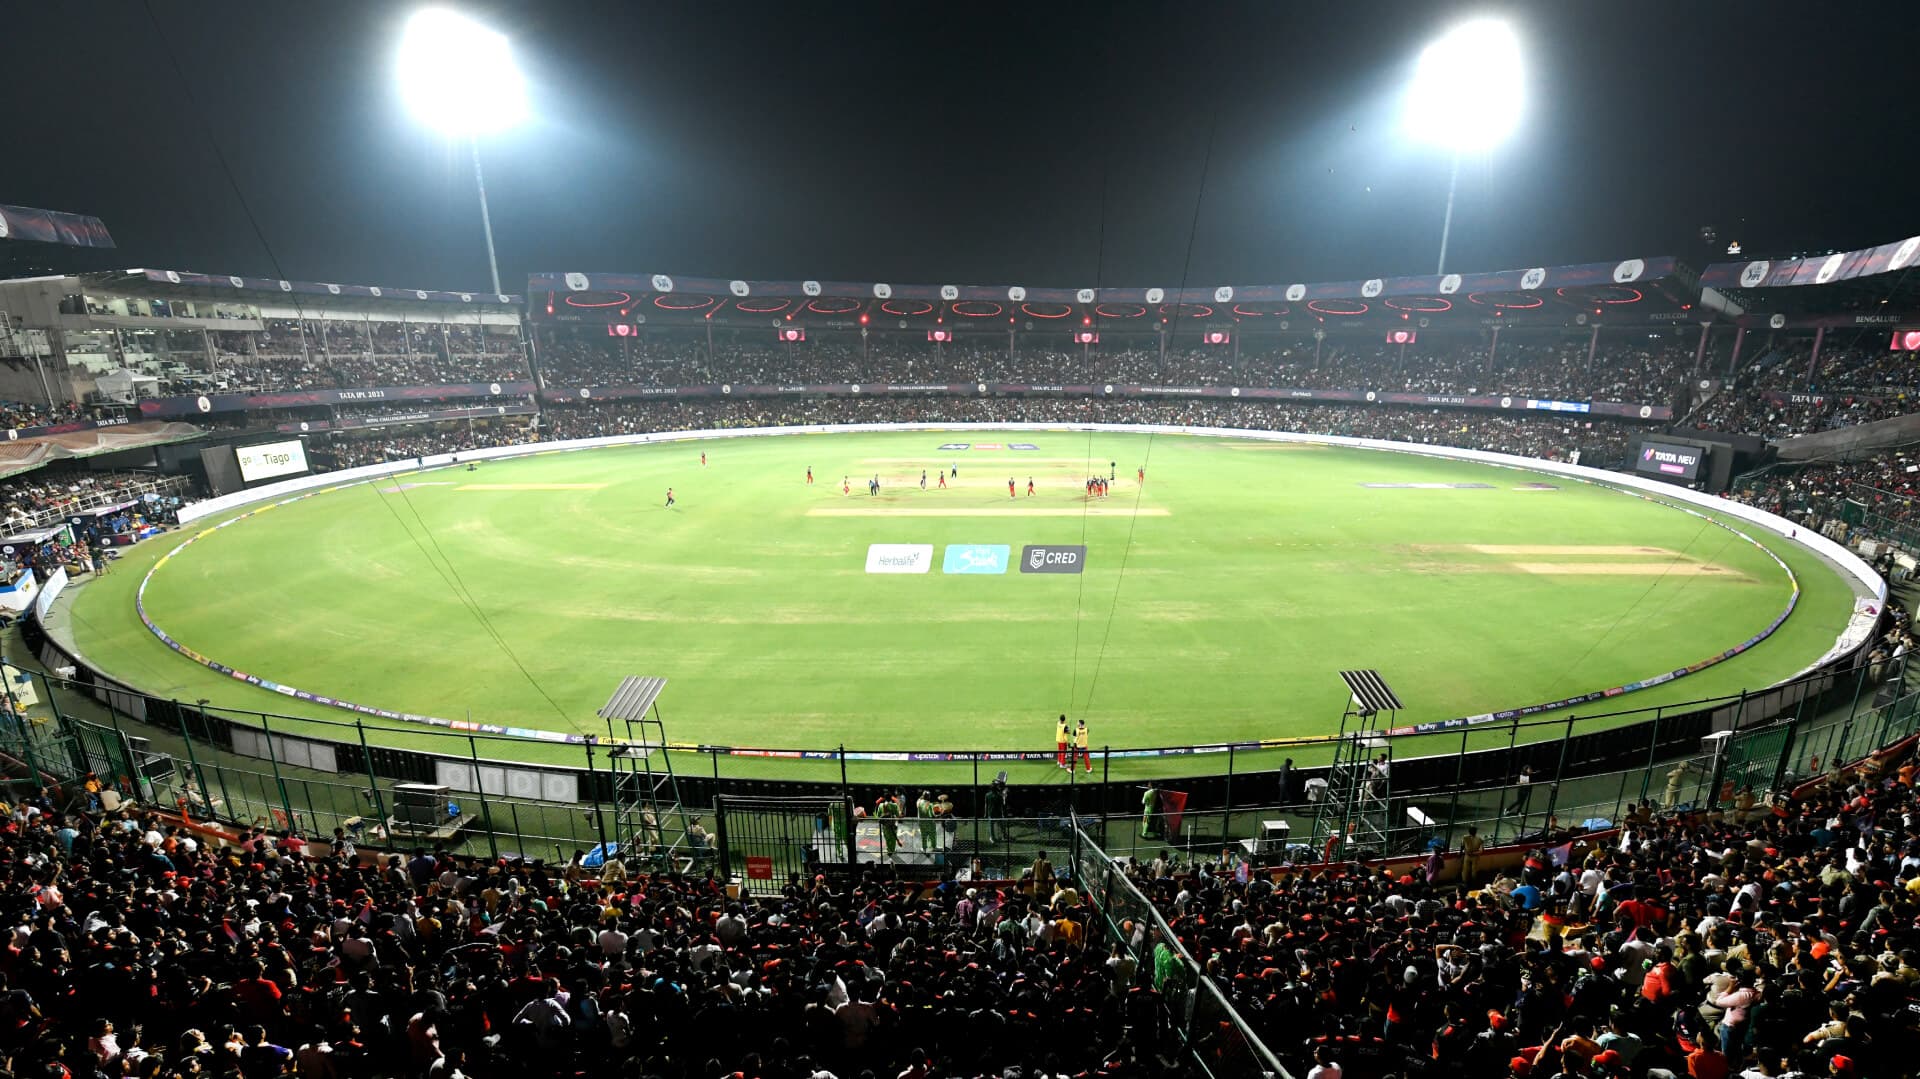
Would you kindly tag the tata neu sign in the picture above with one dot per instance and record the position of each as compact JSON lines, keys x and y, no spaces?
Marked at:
{"x":899,"y":557}
{"x":1036,"y":559}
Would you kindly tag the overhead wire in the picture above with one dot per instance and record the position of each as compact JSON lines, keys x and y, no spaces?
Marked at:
{"x":1099,"y":277}
{"x":1179,"y":305}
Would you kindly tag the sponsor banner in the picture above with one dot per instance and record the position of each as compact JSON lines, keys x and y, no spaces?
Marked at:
{"x":19,"y":595}
{"x":1292,"y":394}
{"x":1444,"y":400}
{"x":899,"y":557}
{"x":269,"y":459}
{"x":1022,"y":446}
{"x":128,"y":539}
{"x":53,"y":227}
{"x":954,"y":447}
{"x":1667,"y":459}
{"x":1035,"y":558}
{"x":477,"y":412}
{"x":67,"y":428}
{"x":974,"y":558}
{"x":50,"y":590}
{"x":240,"y":402}
{"x":1016,"y":389}
{"x":1817,"y":400}
{"x":1632,"y":411}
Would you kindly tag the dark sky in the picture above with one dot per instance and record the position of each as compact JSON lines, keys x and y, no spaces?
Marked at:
{"x":1031,"y":143}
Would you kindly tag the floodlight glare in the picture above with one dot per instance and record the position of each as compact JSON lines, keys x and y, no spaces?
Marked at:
{"x":458,"y":76}
{"x":1467,"y":88}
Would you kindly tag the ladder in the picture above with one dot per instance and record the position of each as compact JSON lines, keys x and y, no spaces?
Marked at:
{"x":649,"y":823}
{"x":1353,"y":818}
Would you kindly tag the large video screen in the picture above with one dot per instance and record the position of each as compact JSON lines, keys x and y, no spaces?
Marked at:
{"x":270,"y":459}
{"x":1670,"y":461}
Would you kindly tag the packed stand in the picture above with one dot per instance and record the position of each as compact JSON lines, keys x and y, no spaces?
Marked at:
{"x":1553,"y":369}
{"x":1883,"y":485}
{"x":143,"y":949}
{"x":1768,"y":941}
{"x":313,"y":354}
{"x":1546,"y":436}
{"x":377,"y":445}
{"x":21,"y":414}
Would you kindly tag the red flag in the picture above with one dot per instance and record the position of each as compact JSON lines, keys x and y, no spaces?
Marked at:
{"x":1173,"y":804}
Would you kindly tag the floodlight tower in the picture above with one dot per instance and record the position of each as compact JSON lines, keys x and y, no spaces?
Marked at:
{"x":1466,"y":96}
{"x":458,"y":77}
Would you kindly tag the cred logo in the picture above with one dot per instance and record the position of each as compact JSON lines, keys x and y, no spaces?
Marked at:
{"x":1034,"y":559}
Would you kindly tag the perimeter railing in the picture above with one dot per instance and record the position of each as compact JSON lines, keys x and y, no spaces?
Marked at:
{"x":553,"y":801}
{"x":1152,"y":955}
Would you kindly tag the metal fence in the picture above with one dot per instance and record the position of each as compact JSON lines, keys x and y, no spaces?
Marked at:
{"x":548,"y":801}
{"x":1195,"y":1011}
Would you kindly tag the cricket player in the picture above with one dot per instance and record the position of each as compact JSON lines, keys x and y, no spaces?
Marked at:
{"x":669,"y":498}
{"x":1062,"y":738}
{"x":846,"y":488}
{"x":1140,"y":474}
{"x":943,"y":480}
{"x":1010,"y":493}
{"x":703,"y":458}
{"x":923,"y":479}
{"x":1029,"y":486}
{"x":1080,"y":742}
{"x":809,"y":473}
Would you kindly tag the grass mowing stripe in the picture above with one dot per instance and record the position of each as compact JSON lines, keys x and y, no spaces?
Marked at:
{"x":1270,"y":572}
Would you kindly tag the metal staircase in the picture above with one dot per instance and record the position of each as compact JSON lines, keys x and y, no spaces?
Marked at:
{"x":1352,"y":819}
{"x":650,"y":825}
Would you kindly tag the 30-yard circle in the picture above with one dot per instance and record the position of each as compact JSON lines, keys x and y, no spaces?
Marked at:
{"x":518,"y":594}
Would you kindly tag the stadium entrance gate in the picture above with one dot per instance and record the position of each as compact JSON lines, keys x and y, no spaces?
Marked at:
{"x":764,"y":839}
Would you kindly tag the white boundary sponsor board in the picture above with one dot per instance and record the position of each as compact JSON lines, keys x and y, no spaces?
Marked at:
{"x":1848,"y":562}
{"x":266,"y":460}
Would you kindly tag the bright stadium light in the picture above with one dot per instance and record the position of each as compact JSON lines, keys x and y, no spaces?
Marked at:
{"x":458,"y":77}
{"x":1466,"y":96}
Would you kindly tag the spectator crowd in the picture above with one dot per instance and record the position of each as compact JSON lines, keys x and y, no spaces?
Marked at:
{"x":1761,"y":941}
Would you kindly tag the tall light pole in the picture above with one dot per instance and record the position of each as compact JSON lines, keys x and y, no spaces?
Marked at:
{"x":1466,"y":96}
{"x":459,"y":78}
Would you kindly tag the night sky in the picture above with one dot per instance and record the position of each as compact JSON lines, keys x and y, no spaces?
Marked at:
{"x":1033,"y":143}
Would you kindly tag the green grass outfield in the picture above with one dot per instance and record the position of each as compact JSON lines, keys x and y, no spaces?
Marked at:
{"x":1221,"y":610}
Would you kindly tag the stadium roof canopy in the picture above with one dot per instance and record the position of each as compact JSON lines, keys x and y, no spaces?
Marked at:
{"x":174,"y":284}
{"x":1629,"y":291}
{"x":1871,"y":286}
{"x":53,"y":227}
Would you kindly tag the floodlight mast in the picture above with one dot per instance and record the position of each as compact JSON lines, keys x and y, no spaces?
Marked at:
{"x":1465,"y":96}
{"x":493,"y":263}
{"x":459,"y":78}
